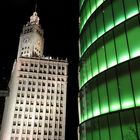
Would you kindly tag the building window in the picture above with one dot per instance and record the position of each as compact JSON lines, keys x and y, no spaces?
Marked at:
{"x":19,"y":116}
{"x":60,"y":125}
{"x":34,"y":132}
{"x":46,"y":118}
{"x":45,"y":132}
{"x":50,"y":133}
{"x":55,"y":133}
{"x":16,"y":138}
{"x":29,"y":123}
{"x":17,"y":131}
{"x":23,"y":131}
{"x":46,"y":125}
{"x":14,"y":123}
{"x":28,"y":131}
{"x":13,"y":130}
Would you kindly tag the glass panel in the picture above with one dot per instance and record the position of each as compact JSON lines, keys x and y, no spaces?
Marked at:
{"x":84,"y":72}
{"x":110,"y":50}
{"x":81,"y":18}
{"x":126,"y":94}
{"x":83,"y":132}
{"x":94,"y":65}
{"x":100,"y":24}
{"x":81,"y":3}
{"x":128,"y":125}
{"x":121,"y":44}
{"x":103,"y":94}
{"x":118,"y":11}
{"x":84,"y":15}
{"x":114,"y":125}
{"x":93,"y":5}
{"x":87,"y":8}
{"x":89,"y":130}
{"x":104,"y":131}
{"x":133,"y":33}
{"x":131,"y":8}
{"x":84,"y":107}
{"x":108,"y":17}
{"x":95,"y":99}
{"x":135,"y":73}
{"x":137,"y":115}
{"x":93,"y":30}
{"x":139,"y":3}
{"x":89,"y":103}
{"x":81,"y":109}
{"x":81,"y":44}
{"x":99,"y":2}
{"x":101,"y":55}
{"x":81,"y":76}
{"x":96,"y":130}
{"x":88,"y":37}
{"x":85,"y":41}
{"x":113,"y":93}
{"x":88,"y":67}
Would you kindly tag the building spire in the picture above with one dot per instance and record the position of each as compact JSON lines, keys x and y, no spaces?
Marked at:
{"x":36,"y":7}
{"x":34,"y":19}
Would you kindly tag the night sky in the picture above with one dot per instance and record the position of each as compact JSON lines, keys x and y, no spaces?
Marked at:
{"x":59,"y":19}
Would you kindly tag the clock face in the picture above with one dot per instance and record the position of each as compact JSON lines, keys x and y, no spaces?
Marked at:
{"x":26,"y":40}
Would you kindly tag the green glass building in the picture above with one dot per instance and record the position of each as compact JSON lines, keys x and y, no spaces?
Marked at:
{"x":109,"y":70}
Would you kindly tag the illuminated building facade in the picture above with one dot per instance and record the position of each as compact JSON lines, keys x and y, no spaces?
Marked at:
{"x":109,"y":70}
{"x":36,"y":106}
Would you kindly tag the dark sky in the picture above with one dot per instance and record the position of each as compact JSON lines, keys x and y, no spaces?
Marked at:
{"x":59,"y":19}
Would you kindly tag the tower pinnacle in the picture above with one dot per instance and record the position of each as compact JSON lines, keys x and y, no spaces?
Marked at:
{"x":34,"y":19}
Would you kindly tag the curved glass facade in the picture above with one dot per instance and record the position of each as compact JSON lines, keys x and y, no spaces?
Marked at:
{"x":109,"y":70}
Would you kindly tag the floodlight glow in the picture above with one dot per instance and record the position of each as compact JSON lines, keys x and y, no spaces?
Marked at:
{"x":135,"y":53}
{"x":132,"y":13}
{"x":119,"y":20}
{"x":127,"y":104}
{"x":123,"y":58}
{"x":115,"y":107}
{"x":104,"y":110}
{"x":112,"y":63}
{"x":137,"y":101}
{"x":99,"y":2}
{"x":96,"y":112}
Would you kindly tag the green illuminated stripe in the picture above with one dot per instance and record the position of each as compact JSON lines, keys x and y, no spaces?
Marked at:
{"x":118,"y":16}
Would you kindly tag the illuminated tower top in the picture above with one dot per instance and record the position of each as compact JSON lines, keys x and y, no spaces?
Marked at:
{"x":31,"y":42}
{"x":34,"y":19}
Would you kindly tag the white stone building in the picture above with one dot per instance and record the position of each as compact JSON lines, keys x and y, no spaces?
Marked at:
{"x":36,"y":106}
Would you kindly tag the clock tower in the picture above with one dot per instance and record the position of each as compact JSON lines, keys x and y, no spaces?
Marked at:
{"x":35,"y":108}
{"x":31,"y":39}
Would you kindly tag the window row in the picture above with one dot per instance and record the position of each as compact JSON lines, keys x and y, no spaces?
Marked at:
{"x":41,"y":103}
{"x":40,"y":117}
{"x":38,"y":96}
{"x":38,"y":132}
{"x":44,"y":71}
{"x":115,"y":89}
{"x":41,"y":77}
{"x":106,"y":19}
{"x":117,"y":46}
{"x":42,"y":66}
{"x":34,"y":138}
{"x":37,"y":110}
{"x":38,"y":83}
